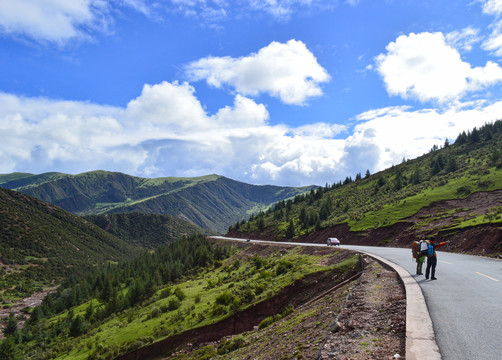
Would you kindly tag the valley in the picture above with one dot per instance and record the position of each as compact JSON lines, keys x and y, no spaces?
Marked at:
{"x":137,"y":282}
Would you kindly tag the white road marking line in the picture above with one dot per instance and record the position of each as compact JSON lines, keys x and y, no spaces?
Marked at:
{"x":486,"y":276}
{"x":445,"y":262}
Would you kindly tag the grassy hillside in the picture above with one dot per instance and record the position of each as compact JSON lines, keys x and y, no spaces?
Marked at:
{"x":145,"y":230}
{"x":40,"y":243}
{"x":212,"y":202}
{"x":211,"y":290}
{"x":451,"y":173}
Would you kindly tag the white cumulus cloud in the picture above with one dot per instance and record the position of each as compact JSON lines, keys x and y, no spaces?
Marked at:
{"x":166,"y":132}
{"x":492,"y":7}
{"x":493,"y":43}
{"x":424,"y":67}
{"x":388,"y":135}
{"x":52,"y":20}
{"x":288,"y":71}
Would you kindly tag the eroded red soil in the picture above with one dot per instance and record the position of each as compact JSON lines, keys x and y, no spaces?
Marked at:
{"x":431,"y":220}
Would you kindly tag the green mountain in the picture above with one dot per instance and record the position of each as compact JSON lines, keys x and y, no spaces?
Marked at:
{"x":212,"y":202}
{"x":190,"y":291}
{"x":145,"y":230}
{"x":41,"y":243}
{"x":454,"y":192}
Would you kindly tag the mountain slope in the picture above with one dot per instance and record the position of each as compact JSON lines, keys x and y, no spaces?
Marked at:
{"x":219,"y":290}
{"x":453,"y":192}
{"x":145,"y":230}
{"x":213,"y":202}
{"x":42,"y":242}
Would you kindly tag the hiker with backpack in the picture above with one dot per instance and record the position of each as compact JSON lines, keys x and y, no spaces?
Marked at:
{"x":419,"y":252}
{"x":432,"y":257}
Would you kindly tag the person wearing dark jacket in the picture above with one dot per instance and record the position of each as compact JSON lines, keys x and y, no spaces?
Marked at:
{"x":432,"y":259}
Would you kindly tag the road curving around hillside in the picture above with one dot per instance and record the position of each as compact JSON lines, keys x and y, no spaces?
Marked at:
{"x":420,"y":339}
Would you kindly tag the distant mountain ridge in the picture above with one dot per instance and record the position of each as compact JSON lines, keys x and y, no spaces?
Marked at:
{"x":212,"y":202}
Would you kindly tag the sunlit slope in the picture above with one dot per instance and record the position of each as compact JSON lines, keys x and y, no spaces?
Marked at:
{"x":471,"y":165}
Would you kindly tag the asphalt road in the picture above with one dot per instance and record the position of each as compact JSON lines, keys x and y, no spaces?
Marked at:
{"x":465,"y":303}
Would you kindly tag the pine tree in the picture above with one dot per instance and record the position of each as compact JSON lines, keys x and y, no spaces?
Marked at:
{"x":475,"y":136}
{"x":452,"y":165}
{"x":77,"y":326}
{"x":9,"y":349}
{"x":89,"y":311}
{"x":11,"y":326}
{"x":261,"y":224}
{"x":290,"y":231}
{"x":416,"y":178}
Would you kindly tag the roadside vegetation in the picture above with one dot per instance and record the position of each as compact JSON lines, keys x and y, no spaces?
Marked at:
{"x":190,"y":283}
{"x":453,"y":171}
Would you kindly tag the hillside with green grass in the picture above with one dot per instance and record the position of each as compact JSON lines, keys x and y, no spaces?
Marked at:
{"x":212,"y":202}
{"x":190,"y":288}
{"x":41,"y":243}
{"x":145,"y":230}
{"x":452,"y":189}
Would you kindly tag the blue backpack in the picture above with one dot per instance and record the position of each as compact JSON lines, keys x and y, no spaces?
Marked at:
{"x":430,"y":250}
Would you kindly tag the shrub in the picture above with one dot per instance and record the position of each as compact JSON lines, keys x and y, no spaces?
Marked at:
{"x":161,"y":331}
{"x":165,"y":293}
{"x":206,"y":353}
{"x":224,"y":298}
{"x":233,"y":344}
{"x":484,"y":184}
{"x":271,"y":319}
{"x":173,"y":304}
{"x":247,"y":293}
{"x":266,"y":322}
{"x":218,"y":310}
{"x":283,"y":267}
{"x":236,"y":264}
{"x":179,"y":294}
{"x":265,"y":274}
{"x":258,"y":261}
{"x":259,"y":288}
{"x":155,"y":313}
{"x":463,"y":190}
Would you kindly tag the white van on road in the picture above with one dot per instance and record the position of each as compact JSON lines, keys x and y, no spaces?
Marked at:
{"x":333,"y":242}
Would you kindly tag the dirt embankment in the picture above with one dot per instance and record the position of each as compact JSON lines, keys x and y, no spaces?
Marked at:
{"x":300,"y":292}
{"x":358,"y":316}
{"x":431,"y":220}
{"x":362,"y":319}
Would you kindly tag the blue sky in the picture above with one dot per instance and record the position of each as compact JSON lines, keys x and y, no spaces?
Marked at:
{"x":291,"y":92}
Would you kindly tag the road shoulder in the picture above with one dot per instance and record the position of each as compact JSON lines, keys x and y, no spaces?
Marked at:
{"x":420,"y":337}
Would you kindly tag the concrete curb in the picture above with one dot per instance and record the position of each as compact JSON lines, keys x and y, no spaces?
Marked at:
{"x":420,"y":339}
